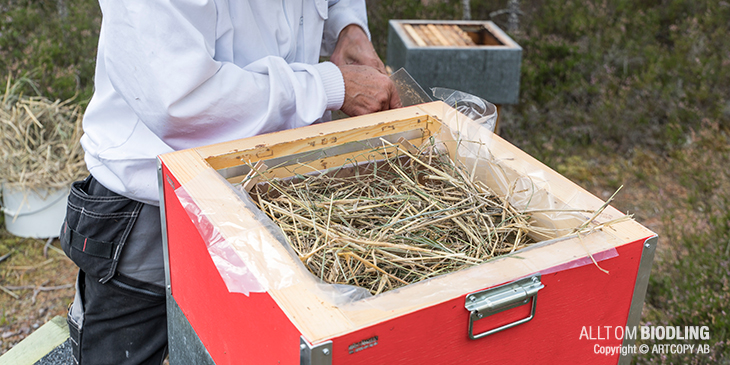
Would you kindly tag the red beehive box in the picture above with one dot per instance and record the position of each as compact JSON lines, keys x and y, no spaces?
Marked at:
{"x":237,"y":295}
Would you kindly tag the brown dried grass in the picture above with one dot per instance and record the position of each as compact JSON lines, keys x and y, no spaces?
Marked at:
{"x":40,"y":147}
{"x":395,"y":220}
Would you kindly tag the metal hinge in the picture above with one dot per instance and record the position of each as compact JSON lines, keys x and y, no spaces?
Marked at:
{"x":319,"y":354}
{"x":492,"y":301}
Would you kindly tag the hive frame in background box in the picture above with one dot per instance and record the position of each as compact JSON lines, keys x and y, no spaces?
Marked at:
{"x":238,"y":294}
{"x":490,"y":71}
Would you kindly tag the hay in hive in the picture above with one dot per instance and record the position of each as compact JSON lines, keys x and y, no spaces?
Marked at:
{"x":397,"y":219}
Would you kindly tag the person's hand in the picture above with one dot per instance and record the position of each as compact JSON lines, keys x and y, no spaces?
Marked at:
{"x":367,"y":91}
{"x":354,"y":48}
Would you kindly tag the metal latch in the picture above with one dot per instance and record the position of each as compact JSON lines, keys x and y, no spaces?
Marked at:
{"x":492,"y":301}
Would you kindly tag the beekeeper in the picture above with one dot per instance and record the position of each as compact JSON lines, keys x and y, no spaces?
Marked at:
{"x":178,"y":74}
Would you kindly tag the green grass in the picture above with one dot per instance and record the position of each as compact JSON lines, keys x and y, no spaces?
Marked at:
{"x":621,"y":74}
{"x":691,"y":283}
{"x":52,"y":42}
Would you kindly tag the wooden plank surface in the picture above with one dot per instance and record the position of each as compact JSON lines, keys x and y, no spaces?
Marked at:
{"x":437,"y":32}
{"x":452,"y":33}
{"x":415,"y":36}
{"x":37,"y":344}
{"x":467,"y":41}
{"x":426,"y":33}
{"x":312,"y":137}
{"x":438,"y":35}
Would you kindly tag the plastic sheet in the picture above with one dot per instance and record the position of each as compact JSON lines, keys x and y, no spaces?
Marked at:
{"x":527,"y":187}
{"x":246,"y":230}
{"x":252,"y":255}
{"x":583,"y":261}
{"x":235,"y":273}
{"x":471,"y":106}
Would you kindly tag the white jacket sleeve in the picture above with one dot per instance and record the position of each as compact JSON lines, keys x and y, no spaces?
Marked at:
{"x":160,"y":57}
{"x":341,"y":14}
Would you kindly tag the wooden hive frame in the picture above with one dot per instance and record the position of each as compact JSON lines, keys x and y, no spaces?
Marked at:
{"x":302,"y":300}
{"x":426,"y":33}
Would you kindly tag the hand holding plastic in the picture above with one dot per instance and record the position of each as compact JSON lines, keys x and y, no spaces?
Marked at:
{"x":367,"y":91}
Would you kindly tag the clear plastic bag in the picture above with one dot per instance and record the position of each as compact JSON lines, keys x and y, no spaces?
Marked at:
{"x":473,"y":107}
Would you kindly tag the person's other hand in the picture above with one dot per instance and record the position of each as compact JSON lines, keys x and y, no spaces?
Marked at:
{"x":367,"y":91}
{"x":354,"y":48}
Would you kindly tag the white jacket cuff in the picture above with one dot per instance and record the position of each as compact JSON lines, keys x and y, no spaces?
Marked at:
{"x":334,"y":84}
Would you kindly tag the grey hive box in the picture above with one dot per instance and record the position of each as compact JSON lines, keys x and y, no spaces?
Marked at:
{"x":471,"y":56}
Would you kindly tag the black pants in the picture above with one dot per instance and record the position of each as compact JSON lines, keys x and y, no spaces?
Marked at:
{"x":114,"y":319}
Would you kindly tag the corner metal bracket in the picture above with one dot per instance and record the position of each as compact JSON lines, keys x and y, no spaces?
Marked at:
{"x":163,"y":221}
{"x":184,"y":345}
{"x":319,"y":354}
{"x":637,"y":299}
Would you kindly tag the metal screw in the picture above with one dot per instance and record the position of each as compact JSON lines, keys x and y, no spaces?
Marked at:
{"x":535,"y":279}
{"x":647,"y":245}
{"x":326,"y":351}
{"x":479,"y":315}
{"x":472,"y":298}
{"x":302,"y":347}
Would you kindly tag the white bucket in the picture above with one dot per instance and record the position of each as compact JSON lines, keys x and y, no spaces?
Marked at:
{"x":36,"y":214}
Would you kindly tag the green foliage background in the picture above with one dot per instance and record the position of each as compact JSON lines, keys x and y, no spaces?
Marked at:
{"x":52,"y":42}
{"x":612,"y":75}
{"x":611,"y":91}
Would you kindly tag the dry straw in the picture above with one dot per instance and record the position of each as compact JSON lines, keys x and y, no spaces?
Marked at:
{"x":397,"y":219}
{"x":40,"y":147}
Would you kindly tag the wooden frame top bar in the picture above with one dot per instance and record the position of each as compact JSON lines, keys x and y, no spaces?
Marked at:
{"x":452,"y":33}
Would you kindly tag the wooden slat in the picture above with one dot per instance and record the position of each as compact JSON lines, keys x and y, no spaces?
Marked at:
{"x":316,"y":136}
{"x":458,"y":36}
{"x":463,"y":36}
{"x":425,"y":32}
{"x":320,"y":164}
{"x":252,"y":177}
{"x":437,"y":32}
{"x":38,"y":344}
{"x":451,"y":35}
{"x":412,"y":32}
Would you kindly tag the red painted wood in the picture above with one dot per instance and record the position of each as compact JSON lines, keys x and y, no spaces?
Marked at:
{"x":571,"y":299}
{"x":234,"y":328}
{"x":253,"y":330}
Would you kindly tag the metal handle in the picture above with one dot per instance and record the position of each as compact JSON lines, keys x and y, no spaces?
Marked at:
{"x":492,"y":301}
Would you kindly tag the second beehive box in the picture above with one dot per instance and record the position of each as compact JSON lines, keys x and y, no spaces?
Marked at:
{"x":471,"y":56}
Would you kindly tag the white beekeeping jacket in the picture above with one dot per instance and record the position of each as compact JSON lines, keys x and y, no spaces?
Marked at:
{"x":178,"y":74}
